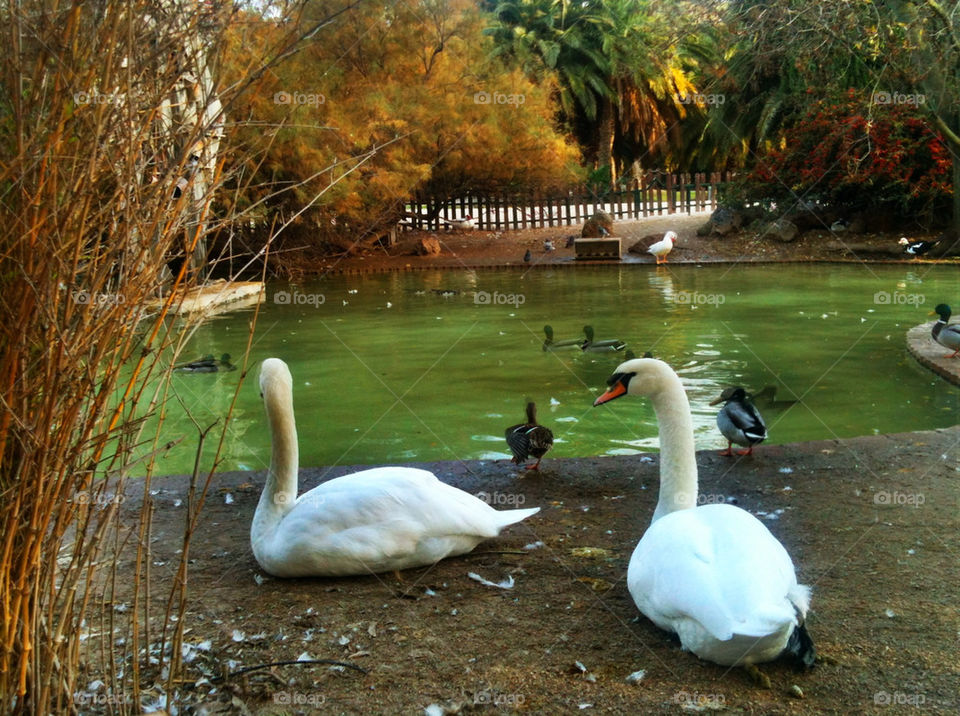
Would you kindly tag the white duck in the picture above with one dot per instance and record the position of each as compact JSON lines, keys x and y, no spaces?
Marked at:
{"x":713,"y":574}
{"x":387,"y":518}
{"x":464,"y":224}
{"x":663,"y":247}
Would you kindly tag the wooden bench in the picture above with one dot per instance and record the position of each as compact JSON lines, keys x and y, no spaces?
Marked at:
{"x":605,"y":248}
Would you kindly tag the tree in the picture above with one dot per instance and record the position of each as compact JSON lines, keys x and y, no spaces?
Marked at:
{"x":901,"y":51}
{"x":622,"y":84}
{"x":399,"y":98}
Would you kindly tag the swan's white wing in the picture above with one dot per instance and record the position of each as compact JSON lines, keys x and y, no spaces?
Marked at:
{"x":716,"y":565}
{"x":381,"y":519}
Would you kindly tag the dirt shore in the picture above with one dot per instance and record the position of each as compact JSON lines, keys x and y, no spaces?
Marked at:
{"x":871,"y":524}
{"x":474,"y":249}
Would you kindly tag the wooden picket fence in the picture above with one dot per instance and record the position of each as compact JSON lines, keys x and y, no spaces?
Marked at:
{"x":656,"y":193}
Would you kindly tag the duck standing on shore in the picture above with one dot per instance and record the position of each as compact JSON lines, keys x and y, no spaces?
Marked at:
{"x":662,"y":248}
{"x":916,"y":248}
{"x":529,"y":439}
{"x":739,"y":421}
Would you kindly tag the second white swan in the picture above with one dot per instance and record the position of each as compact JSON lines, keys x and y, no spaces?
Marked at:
{"x":387,"y":518}
{"x":713,"y":574}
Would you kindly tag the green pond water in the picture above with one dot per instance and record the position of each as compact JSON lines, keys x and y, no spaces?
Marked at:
{"x":389,"y":368}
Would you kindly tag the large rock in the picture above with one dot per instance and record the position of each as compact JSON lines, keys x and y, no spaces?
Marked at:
{"x":724,"y":220}
{"x":591,"y":228}
{"x":427,"y":246}
{"x":782,"y":230}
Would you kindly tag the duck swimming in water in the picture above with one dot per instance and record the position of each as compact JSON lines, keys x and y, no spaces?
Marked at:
{"x":207,"y":364}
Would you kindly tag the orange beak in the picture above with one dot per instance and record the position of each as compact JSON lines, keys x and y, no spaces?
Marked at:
{"x":618,"y":389}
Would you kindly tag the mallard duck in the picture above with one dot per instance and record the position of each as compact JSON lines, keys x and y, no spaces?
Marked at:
{"x":605,"y":346}
{"x":387,"y":518}
{"x":767,"y":398}
{"x":916,"y":248}
{"x":712,"y":574}
{"x":739,"y":421}
{"x":551,"y":345}
{"x":662,"y":248}
{"x":944,"y":333}
{"x":529,"y":439}
{"x":207,"y":364}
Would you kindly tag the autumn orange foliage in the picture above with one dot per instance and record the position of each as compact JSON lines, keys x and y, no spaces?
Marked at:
{"x":389,"y":99}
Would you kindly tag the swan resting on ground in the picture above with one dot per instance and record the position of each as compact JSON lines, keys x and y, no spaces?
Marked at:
{"x":387,"y":518}
{"x":713,"y":574}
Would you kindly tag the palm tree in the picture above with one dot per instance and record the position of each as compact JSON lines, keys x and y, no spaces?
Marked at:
{"x":621,"y":80}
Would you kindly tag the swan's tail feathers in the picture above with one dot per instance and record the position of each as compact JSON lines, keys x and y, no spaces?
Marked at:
{"x":800,"y":647}
{"x":799,"y":596}
{"x":511,"y":517}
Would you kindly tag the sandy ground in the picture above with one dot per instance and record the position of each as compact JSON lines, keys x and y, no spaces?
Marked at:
{"x":871,"y":524}
{"x":476,"y":248}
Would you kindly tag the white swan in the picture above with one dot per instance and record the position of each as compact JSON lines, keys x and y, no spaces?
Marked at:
{"x":712,"y":574}
{"x":387,"y":518}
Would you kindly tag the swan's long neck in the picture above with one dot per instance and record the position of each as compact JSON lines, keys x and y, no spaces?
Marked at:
{"x":678,"y":462}
{"x":280,"y":492}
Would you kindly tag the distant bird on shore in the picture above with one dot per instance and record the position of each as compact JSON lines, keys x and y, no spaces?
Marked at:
{"x":529,"y":439}
{"x":603,"y":230}
{"x":945,"y":334}
{"x":466,"y":223}
{"x":739,"y":421}
{"x":662,"y":248}
{"x":548,"y":245}
{"x":528,"y":257}
{"x":551,"y":345}
{"x":207,"y":364}
{"x":571,"y":241}
{"x":916,"y":248}
{"x":605,"y":346}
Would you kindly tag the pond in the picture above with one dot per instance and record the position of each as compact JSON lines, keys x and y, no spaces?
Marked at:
{"x":435,"y":365}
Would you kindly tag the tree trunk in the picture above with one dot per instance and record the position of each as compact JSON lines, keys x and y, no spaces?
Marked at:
{"x":605,"y":135}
